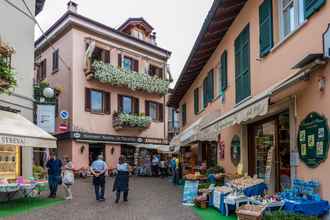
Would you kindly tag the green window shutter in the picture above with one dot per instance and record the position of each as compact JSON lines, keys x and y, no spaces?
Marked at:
{"x":184,"y":114}
{"x":223,"y":71}
{"x":205,"y":95}
{"x":266,"y":27}
{"x":210,"y":86}
{"x":242,"y":65}
{"x":311,"y":6}
{"x":196,"y":101}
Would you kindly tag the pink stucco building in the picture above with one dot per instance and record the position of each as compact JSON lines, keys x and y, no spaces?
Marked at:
{"x":108,"y":113}
{"x":263,"y":66}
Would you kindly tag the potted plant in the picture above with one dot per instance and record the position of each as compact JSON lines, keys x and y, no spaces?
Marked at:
{"x":7,"y":76}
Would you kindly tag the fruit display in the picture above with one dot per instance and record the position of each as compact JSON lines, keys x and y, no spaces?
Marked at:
{"x":246,"y":182}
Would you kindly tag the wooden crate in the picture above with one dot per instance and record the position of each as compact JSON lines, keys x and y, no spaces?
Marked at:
{"x":250,"y":212}
{"x":202,"y":204}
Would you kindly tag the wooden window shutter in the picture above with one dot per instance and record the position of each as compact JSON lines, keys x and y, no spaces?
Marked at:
{"x":136,"y":105}
{"x":242,"y":65}
{"x":312,"y":6}
{"x":266,"y":27}
{"x":160,"y":112}
{"x":120,"y":103}
{"x":205,"y":100}
{"x":224,"y":71}
{"x":184,"y":114}
{"x":87,"y":99}
{"x":119,"y":60}
{"x":107,"y":102}
{"x":44,"y":69}
{"x":135,"y":65}
{"x":106,"y":56}
{"x":196,"y":101}
{"x":147,"y":108}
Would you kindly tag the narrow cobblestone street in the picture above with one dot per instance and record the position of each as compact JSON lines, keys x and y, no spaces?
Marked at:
{"x":149,"y":199}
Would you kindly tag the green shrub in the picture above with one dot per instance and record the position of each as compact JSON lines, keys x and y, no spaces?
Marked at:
{"x":280,"y":215}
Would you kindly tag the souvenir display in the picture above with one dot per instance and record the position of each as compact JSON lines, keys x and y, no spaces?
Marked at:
{"x":245,"y":182}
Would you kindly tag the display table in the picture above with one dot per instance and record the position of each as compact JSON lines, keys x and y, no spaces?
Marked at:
{"x":307,"y":207}
{"x":217,"y":200}
{"x":27,"y":190}
{"x":235,"y":200}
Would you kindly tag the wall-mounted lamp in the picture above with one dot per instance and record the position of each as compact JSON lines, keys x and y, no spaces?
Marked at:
{"x":82,"y":149}
{"x":322,"y":82}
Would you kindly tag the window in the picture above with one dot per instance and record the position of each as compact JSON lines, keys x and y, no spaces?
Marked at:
{"x":184,"y":114}
{"x":208,"y":88}
{"x":55,"y":60}
{"x":291,"y":15}
{"x":97,"y":101}
{"x":130,"y":64}
{"x":242,"y":65}
{"x":196,"y":101}
{"x":101,"y":54}
{"x":155,"y":71}
{"x":128,"y":104}
{"x":42,"y":71}
{"x":155,"y":110}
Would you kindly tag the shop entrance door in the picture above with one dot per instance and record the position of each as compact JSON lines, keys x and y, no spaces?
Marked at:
{"x":128,"y":151}
{"x":95,"y":150}
{"x":269,"y":151}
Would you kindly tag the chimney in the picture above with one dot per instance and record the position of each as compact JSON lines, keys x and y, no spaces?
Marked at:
{"x":72,"y":6}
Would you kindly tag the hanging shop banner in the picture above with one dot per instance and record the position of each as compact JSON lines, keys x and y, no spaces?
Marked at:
{"x":190,"y":192}
{"x":313,"y":139}
{"x":235,"y":150}
{"x":46,"y":117}
{"x":221,"y":146}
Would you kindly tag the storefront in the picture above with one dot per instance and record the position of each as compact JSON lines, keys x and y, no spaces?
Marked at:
{"x":16,"y":135}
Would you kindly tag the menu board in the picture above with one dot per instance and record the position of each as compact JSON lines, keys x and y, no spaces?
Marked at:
{"x":313,"y":138}
{"x":9,"y":166}
{"x":190,"y":192}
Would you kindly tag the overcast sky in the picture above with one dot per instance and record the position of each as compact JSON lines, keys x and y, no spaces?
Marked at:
{"x":177,"y":22}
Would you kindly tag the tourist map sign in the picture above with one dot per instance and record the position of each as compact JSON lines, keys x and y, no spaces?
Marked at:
{"x":313,"y":139}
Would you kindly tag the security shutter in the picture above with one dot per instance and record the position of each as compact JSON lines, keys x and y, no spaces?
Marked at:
{"x":223,"y":71}
{"x":266,"y":27}
{"x":311,"y":6}
{"x":242,"y":65}
{"x":196,"y":101}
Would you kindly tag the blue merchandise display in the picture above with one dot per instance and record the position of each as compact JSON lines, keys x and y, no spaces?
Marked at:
{"x":307,"y":207}
{"x":256,"y":190}
{"x":190,"y":192}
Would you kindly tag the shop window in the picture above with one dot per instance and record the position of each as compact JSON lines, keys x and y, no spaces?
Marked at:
{"x":155,"y":110}
{"x":128,"y":104}
{"x":55,"y":60}
{"x":97,"y":101}
{"x":291,"y":15}
{"x":9,"y":162}
{"x":242,"y":65}
{"x":155,"y":71}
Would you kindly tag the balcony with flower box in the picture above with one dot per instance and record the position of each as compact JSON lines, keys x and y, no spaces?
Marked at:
{"x":119,"y":77}
{"x":7,"y":73}
{"x":123,"y":121}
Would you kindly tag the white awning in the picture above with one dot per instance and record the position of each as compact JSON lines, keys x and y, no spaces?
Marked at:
{"x":162,"y":148}
{"x":17,"y":130}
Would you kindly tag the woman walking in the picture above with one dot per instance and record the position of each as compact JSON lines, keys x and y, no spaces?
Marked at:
{"x":68,"y":177}
{"x":121,"y":181}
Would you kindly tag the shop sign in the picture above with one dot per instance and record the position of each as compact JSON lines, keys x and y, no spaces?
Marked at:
{"x":11,"y":140}
{"x":46,"y":117}
{"x":221,"y":145}
{"x":112,"y":138}
{"x":64,"y":115}
{"x":235,"y":150}
{"x":313,"y":139}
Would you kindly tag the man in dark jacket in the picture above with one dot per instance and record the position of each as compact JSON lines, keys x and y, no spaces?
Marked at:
{"x":54,"y":167}
{"x":121,"y":181}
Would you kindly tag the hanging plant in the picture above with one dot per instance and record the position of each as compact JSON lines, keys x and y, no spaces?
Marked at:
{"x":107,"y":73}
{"x":7,"y":76}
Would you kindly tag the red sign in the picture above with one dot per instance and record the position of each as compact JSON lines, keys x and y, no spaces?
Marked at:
{"x":63,"y":127}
